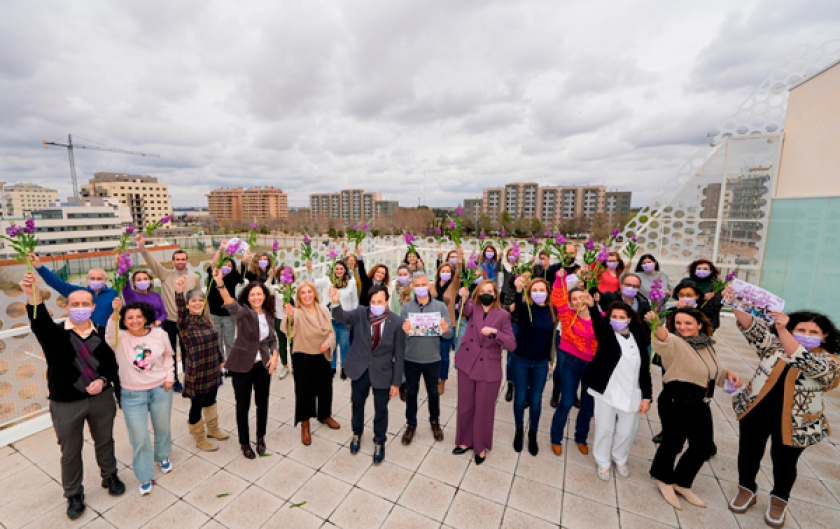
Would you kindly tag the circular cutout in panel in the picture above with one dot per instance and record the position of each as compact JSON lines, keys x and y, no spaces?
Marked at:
{"x":28,"y":391}
{"x":5,"y":388}
{"x":32,"y":408}
{"x":25,"y":371}
{"x":6,"y":409}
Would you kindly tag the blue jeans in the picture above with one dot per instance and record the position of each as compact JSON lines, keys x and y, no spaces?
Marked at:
{"x":529,"y":378}
{"x":445,"y":345}
{"x":342,"y":341}
{"x":573,"y":373}
{"x":137,"y":406}
{"x":508,"y":377}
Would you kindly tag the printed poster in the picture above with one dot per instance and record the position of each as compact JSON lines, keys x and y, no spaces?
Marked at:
{"x":424,"y":323}
{"x":754,"y":300}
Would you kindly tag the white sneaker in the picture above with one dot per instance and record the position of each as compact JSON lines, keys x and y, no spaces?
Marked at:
{"x":146,"y":488}
{"x":283,"y":372}
{"x":604,"y":473}
{"x":166,"y":466}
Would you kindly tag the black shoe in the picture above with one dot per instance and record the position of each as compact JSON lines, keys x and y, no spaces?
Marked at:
{"x":75,"y":506}
{"x":555,"y":397}
{"x":114,"y":485}
{"x":576,"y":404}
{"x":343,"y":374}
{"x":479,"y":460}
{"x":517,"y":439}
{"x":713,"y":452}
{"x":657,"y":438}
{"x":333,"y":373}
{"x":458,"y":450}
{"x":533,"y":448}
{"x":509,"y":394}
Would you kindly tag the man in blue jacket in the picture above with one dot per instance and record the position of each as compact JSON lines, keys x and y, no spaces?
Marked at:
{"x":103,"y":295}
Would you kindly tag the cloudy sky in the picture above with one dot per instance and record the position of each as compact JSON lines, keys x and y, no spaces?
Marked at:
{"x":315,"y":96}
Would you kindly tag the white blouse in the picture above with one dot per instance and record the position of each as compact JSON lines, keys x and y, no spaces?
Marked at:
{"x":623,"y":392}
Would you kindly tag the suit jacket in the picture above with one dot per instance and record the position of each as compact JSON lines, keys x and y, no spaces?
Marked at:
{"x":479,"y":356}
{"x":385,"y":363}
{"x":243,"y":354}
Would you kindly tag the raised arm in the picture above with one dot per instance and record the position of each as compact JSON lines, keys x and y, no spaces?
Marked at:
{"x":560,"y":293}
{"x":181,"y":303}
{"x":599,"y":322}
{"x":112,"y":328}
{"x":158,"y":269}
{"x":62,"y":287}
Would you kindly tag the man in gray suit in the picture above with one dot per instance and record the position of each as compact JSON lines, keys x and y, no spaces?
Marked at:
{"x":375,"y":361}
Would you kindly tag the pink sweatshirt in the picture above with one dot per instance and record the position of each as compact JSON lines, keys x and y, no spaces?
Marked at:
{"x":145,"y":361}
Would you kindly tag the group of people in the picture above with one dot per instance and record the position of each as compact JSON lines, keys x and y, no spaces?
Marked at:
{"x":595,"y":345}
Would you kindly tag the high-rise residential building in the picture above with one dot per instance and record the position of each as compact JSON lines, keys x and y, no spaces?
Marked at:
{"x":237,"y":204}
{"x":550,"y":204}
{"x":350,"y":205}
{"x":472,"y":208}
{"x":617,"y":205}
{"x":147,"y":199}
{"x":17,"y":200}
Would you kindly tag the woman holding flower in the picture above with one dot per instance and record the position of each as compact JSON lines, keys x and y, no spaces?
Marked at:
{"x":349,"y":295}
{"x":413,"y":261}
{"x":692,"y":370}
{"x":704,"y":274}
{"x":784,"y":401}
{"x":285,"y":276}
{"x":445,"y":290}
{"x":218,"y":313}
{"x":139,"y":289}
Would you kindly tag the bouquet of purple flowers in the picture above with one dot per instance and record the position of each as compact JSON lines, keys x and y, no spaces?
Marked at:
{"x":439,"y":235}
{"x":657,"y":300}
{"x":455,"y":226}
{"x":23,"y":242}
{"x":631,"y":248}
{"x":121,"y":273}
{"x":557,"y":248}
{"x":357,"y":233}
{"x":154,"y":225}
{"x":409,"y":240}
{"x":287,"y":290}
{"x":306,"y":248}
{"x":333,"y":258}
{"x":468,"y":277}
{"x":254,"y":233}
{"x":719,"y":285}
{"x":502,"y":240}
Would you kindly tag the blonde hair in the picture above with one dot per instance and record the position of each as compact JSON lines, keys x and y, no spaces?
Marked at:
{"x":254,"y":266}
{"x":310,"y":284}
{"x":526,"y":295}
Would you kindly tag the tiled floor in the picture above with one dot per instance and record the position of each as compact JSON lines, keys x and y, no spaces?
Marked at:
{"x":421,"y":485}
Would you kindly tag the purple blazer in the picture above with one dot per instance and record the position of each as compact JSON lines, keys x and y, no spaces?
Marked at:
{"x":479,"y":356}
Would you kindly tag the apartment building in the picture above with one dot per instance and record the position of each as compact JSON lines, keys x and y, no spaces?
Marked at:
{"x":385,"y":208}
{"x":551,"y":204}
{"x":237,"y":204}
{"x":618,"y":205}
{"x":17,"y":200}
{"x":147,"y":199}
{"x":350,"y":205}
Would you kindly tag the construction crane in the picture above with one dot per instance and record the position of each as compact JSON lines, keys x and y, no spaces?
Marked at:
{"x":70,"y":146}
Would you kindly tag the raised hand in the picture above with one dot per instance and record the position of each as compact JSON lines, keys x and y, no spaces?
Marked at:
{"x":117,"y":304}
{"x":28,"y":284}
{"x":180,"y":283}
{"x":36,"y":261}
{"x":140,"y":241}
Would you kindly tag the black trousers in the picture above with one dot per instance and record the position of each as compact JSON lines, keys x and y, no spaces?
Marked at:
{"x":199,"y":402}
{"x":313,"y":387}
{"x":761,"y":423}
{"x":69,"y":423}
{"x":685,"y":417}
{"x":259,"y":381}
{"x":431,"y":376}
{"x":361,"y":387}
{"x":171,"y":329}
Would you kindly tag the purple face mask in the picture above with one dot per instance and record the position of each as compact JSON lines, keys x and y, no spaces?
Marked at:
{"x":453,"y":262}
{"x":143,"y":284}
{"x":649,"y":267}
{"x":612,"y":265}
{"x":808,"y":342}
{"x":263,"y":265}
{"x":511,"y":258}
{"x":377,"y":310}
{"x":421,"y":292}
{"x":619,"y":325}
{"x":445,"y":276}
{"x":96,"y":285}
{"x":403,"y":280}
{"x":489,"y":255}
{"x":702,"y":274}
{"x":80,"y":314}
{"x":226,"y":270}
{"x":539,"y":297}
{"x":629,"y":292}
{"x":689,"y":302}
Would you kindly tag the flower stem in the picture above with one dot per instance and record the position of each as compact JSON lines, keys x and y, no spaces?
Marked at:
{"x":35,"y":293}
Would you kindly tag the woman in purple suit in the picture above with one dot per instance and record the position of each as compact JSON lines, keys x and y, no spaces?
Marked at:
{"x":479,"y":365}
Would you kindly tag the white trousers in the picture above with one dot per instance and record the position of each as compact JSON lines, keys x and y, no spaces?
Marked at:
{"x":611,"y":421}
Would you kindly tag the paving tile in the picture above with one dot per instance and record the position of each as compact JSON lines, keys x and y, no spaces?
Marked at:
{"x":409,"y":457}
{"x":542,"y":470}
{"x":402,"y":518}
{"x":252,"y":508}
{"x":30,"y":474}
{"x":514,"y":519}
{"x":692,"y":517}
{"x":57,"y":517}
{"x":813,"y":515}
{"x":536,"y":499}
{"x":444,"y":466}
{"x":634,"y":521}
{"x":188,"y":475}
{"x":11,"y":462}
{"x":41,"y":499}
{"x":216,"y":492}
{"x":360,"y":510}
{"x":348,"y":467}
{"x":428,"y":497}
{"x":583,"y":513}
{"x":584,"y":482}
{"x":136,"y":510}
{"x":468,"y":510}
{"x":386,"y":480}
{"x":252,"y":469}
{"x":487,"y":482}
{"x":181,"y":515}
{"x":315,"y":455}
{"x":645,"y":500}
{"x":294,"y":517}
{"x":322,"y":494}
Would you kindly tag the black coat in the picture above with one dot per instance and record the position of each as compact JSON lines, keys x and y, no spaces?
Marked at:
{"x":365,"y":282}
{"x":609,"y":353}
{"x":608,"y":298}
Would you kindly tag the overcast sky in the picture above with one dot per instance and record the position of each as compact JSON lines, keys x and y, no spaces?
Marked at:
{"x":316,"y":96}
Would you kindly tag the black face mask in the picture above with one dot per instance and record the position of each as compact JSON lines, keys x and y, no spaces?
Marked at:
{"x":486,"y":299}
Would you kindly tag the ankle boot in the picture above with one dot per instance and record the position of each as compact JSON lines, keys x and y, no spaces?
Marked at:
{"x":197,"y":433}
{"x":517,"y":439}
{"x":533,"y":448}
{"x":211,"y":419}
{"x":305,"y":433}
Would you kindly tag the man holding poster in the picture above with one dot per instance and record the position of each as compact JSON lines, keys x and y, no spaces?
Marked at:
{"x":422,"y":353}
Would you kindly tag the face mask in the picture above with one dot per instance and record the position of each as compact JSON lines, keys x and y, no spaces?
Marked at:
{"x":612,"y":265}
{"x":377,"y":310}
{"x":808,"y":342}
{"x":619,"y":325}
{"x":263,"y":265}
{"x":421,"y":292}
{"x":690,"y":302}
{"x":81,"y":314}
{"x":702,"y":274}
{"x":511,"y":258}
{"x":486,"y":299}
{"x":403,"y":280}
{"x":489,"y":255}
{"x":629,"y":292}
{"x":226,"y":270}
{"x":649,"y":267}
{"x":571,"y":279}
{"x":143,"y":285}
{"x":539,"y":297}
{"x":445,"y":276}
{"x":477,"y":280}
{"x":96,"y":285}
{"x":453,"y":262}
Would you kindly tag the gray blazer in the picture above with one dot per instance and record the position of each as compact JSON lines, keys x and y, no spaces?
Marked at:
{"x":243,"y":354}
{"x":386,"y":361}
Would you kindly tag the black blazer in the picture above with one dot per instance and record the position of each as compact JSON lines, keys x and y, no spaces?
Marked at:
{"x":386,"y":362}
{"x":608,"y":298}
{"x":609,"y":353}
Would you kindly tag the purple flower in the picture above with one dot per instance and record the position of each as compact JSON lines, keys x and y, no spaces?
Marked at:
{"x":355,"y":227}
{"x":30,"y":226}
{"x":255,"y":226}
{"x":437,"y":230}
{"x":482,"y":236}
{"x":603,"y":255}
{"x":166,"y":219}
{"x":533,"y":239}
{"x":732,"y":275}
{"x":472,"y":262}
{"x":306,"y":239}
{"x":589,"y":244}
{"x":275,"y":246}
{"x":129,"y":230}
{"x":615,"y":233}
{"x":333,"y":254}
{"x":124,"y":264}
{"x":12,"y":231}
{"x":364,"y":226}
{"x":409,"y":238}
{"x":233,"y":247}
{"x":633,"y":239}
{"x":548,"y":234}
{"x":459,"y":211}
{"x":288,"y":276}
{"x":559,"y":240}
{"x":515,"y":252}
{"x":453,"y":225}
{"x":503,"y":233}
{"x":656,"y":293}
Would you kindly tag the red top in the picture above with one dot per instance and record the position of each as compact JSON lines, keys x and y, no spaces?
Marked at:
{"x":578,"y":338}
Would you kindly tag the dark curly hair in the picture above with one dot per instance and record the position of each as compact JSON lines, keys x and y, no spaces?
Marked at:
{"x":831,"y":343}
{"x":268,"y":304}
{"x":688,"y":284}
{"x":692,"y":268}
{"x":694,"y":313}
{"x":642,"y":259}
{"x":147,"y":310}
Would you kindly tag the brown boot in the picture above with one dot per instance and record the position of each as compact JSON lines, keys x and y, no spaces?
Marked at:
{"x":742,"y":501}
{"x":775,"y":515}
{"x":331,"y":423}
{"x":557,"y":449}
{"x":305,"y":433}
{"x":197,"y":432}
{"x":211,"y":419}
{"x":583,"y":449}
{"x":441,"y":387}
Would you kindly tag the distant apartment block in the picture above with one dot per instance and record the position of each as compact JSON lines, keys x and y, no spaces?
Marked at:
{"x":350,"y":205}
{"x":472,"y":207}
{"x":552,"y":204}
{"x":236,"y":204}
{"x":147,"y":199}
{"x":17,"y":200}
